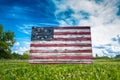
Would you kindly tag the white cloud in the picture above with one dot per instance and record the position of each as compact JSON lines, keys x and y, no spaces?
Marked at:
{"x":63,"y":23}
{"x":26,"y":28}
{"x":21,"y":46}
{"x":102,"y":18}
{"x":16,"y":44}
{"x":21,"y":50}
{"x":26,"y":42}
{"x":116,"y":48}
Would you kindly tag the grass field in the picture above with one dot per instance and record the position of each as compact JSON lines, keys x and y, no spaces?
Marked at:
{"x":17,"y":70}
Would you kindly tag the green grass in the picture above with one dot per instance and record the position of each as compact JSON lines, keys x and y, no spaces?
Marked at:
{"x":10,"y":70}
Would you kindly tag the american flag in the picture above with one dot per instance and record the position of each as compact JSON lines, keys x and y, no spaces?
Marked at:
{"x":61,"y":45}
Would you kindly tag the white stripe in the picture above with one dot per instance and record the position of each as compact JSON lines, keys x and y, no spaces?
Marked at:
{"x":72,"y":36}
{"x":71,"y":30}
{"x":60,"y":54}
{"x":60,"y":48}
{"x":60,"y":42}
{"x":80,"y":60}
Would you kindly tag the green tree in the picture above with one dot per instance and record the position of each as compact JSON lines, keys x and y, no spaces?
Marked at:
{"x":16,"y":56}
{"x":6,"y":42}
{"x":117,"y":56}
{"x":25,"y":55}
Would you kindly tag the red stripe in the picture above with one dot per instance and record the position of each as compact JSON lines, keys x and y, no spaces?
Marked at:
{"x":59,"y":45}
{"x":66,"y":51}
{"x":62,"y":57}
{"x":72,"y":33}
{"x":72,"y":39}
{"x":77,"y":27}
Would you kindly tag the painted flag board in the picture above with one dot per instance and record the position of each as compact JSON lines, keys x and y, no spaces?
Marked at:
{"x":61,"y":45}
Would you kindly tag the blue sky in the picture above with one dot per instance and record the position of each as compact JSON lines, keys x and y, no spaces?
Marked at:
{"x":102,"y":15}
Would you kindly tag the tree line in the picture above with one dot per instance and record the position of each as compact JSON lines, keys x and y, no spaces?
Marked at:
{"x":106,"y":57}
